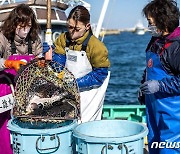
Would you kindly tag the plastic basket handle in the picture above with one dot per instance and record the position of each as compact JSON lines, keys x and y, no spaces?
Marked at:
{"x":12,"y":97}
{"x":10,"y":82}
{"x":120,"y":146}
{"x":42,"y":139}
{"x":110,"y":147}
{"x":106,"y":147}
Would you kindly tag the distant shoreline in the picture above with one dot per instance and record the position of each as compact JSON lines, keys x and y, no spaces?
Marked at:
{"x":110,"y":32}
{"x":117,"y":31}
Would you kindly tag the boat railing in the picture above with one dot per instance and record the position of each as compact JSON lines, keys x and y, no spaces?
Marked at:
{"x":125,"y":112}
{"x":9,"y":4}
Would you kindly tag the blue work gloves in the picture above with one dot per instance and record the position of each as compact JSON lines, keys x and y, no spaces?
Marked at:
{"x":46,"y":47}
{"x":59,"y":58}
{"x":93,"y":79}
{"x":150,"y":87}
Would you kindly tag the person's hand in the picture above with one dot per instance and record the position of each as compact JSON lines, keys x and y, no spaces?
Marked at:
{"x":41,"y":62}
{"x":141,"y":97}
{"x":150,"y":87}
{"x":16,"y":64}
{"x":46,"y":47}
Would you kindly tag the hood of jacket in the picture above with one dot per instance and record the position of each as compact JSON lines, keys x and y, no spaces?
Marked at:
{"x":175,"y":35}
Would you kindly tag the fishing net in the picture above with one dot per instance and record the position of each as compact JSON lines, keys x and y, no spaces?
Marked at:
{"x":46,"y":93}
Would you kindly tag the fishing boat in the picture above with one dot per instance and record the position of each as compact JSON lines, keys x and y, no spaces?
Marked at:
{"x":58,"y":25}
{"x":139,"y":29}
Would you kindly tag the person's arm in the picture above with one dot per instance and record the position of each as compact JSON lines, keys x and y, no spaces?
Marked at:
{"x":2,"y":50}
{"x":2,"y":67}
{"x":15,"y":64}
{"x":57,"y":57}
{"x":2,"y":60}
{"x":143,"y":77}
{"x":141,"y":96}
{"x":60,"y":58}
{"x":5,"y":63}
{"x":172,"y":58}
{"x":59,"y":54}
{"x":93,"y":79}
{"x":170,"y":86}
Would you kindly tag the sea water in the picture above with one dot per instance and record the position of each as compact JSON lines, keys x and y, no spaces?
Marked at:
{"x":127,"y":57}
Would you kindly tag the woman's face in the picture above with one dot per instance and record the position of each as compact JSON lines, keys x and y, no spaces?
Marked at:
{"x":154,"y":31}
{"x":22,"y":30}
{"x":77,"y":30}
{"x":151,"y":21}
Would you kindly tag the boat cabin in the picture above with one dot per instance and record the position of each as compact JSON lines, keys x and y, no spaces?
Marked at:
{"x":58,"y":16}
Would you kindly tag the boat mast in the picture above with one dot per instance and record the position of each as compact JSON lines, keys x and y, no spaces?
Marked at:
{"x":101,"y":18}
{"x":48,"y":35}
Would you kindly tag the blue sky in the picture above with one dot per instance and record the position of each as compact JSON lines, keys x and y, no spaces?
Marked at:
{"x":120,"y":13}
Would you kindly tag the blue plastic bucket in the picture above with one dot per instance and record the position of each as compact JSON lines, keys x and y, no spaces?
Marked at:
{"x":110,"y":137}
{"x":42,"y":141}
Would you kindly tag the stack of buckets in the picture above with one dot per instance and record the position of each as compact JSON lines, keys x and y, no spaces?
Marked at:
{"x":95,"y":137}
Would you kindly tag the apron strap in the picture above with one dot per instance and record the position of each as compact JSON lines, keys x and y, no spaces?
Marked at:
{"x":29,"y":46}
{"x":68,"y":41}
{"x":84,"y":45}
{"x":13,"y":47}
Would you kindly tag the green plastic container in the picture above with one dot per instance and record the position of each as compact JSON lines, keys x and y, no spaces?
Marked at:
{"x":125,"y":112}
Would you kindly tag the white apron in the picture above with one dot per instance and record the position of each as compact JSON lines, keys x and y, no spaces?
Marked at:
{"x":91,"y":101}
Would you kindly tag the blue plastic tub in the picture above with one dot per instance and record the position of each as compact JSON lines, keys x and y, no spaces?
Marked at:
{"x":42,"y":141}
{"x":110,"y":137}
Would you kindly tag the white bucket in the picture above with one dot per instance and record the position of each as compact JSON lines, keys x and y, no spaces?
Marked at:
{"x":110,"y":137}
{"x":42,"y":141}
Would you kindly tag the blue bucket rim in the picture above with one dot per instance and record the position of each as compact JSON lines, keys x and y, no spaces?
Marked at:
{"x":94,"y":139}
{"x":15,"y":128}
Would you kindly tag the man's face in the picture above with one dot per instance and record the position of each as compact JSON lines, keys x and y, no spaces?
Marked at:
{"x":76,"y":30}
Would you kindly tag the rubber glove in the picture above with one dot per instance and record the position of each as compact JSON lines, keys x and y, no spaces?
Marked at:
{"x":60,"y":58}
{"x":41,"y":62}
{"x":46,"y":47}
{"x":93,"y":79}
{"x":141,"y":97}
{"x":16,"y":64}
{"x":150,"y":87}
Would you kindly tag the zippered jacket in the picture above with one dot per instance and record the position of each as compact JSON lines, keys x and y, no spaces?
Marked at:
{"x":21,"y":48}
{"x":170,"y":60}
